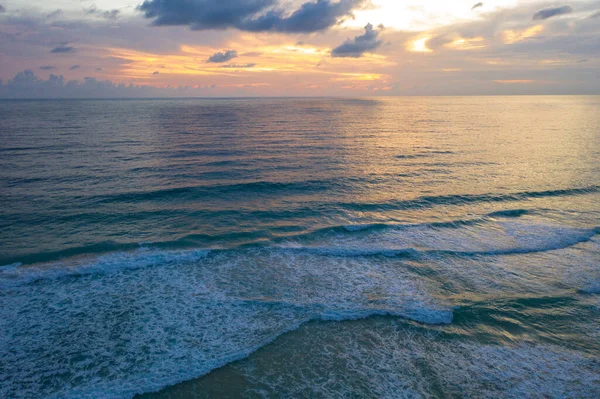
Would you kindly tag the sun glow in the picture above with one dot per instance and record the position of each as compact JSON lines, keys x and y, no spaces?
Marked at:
{"x":420,"y":46}
{"x":422,"y":15}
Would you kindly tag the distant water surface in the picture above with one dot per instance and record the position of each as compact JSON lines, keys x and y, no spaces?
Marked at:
{"x":393,"y":247}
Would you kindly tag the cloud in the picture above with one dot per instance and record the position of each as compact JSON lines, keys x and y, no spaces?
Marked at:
{"x":478,"y":5}
{"x":91,"y":10}
{"x":595,"y":15}
{"x":54,"y":14}
{"x":112,"y":14}
{"x":360,"y":44}
{"x":552,"y":12}
{"x":251,"y":65}
{"x":27,"y":85}
{"x":2,"y":9}
{"x":252,"y":54}
{"x":155,"y":73}
{"x":249,"y":15}
{"x":47,"y":67}
{"x":222,"y":57}
{"x":74,"y":67}
{"x":62,"y":49}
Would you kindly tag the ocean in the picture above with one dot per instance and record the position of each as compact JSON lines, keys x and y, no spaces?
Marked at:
{"x":423,"y":247}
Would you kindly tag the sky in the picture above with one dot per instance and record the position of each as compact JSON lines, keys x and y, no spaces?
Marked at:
{"x":230,"y":48}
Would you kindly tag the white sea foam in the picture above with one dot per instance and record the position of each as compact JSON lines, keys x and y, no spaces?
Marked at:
{"x":11,"y":267}
{"x":104,"y":264}
{"x":118,"y":326}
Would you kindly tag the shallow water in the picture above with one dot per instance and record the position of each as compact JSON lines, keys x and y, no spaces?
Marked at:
{"x":401,"y":247}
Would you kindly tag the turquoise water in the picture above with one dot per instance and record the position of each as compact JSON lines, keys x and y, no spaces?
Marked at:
{"x":396,"y":247}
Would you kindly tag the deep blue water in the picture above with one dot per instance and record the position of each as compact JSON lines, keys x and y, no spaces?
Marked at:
{"x":395,"y":247}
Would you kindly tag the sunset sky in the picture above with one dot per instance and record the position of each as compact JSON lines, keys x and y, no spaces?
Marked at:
{"x":298,"y":47}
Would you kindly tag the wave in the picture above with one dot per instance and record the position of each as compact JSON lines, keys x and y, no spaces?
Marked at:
{"x":450,"y":224}
{"x":180,"y":193}
{"x":288,"y":188}
{"x":493,"y":234}
{"x":463,"y":199}
{"x":490,"y":234}
{"x":195,"y":240}
{"x":17,"y":274}
{"x":566,"y":242}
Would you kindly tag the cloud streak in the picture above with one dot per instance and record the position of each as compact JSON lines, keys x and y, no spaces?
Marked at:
{"x":552,"y":12}
{"x":63,"y":49}
{"x":222,"y":57}
{"x":249,"y":15}
{"x":476,"y":6}
{"x":239,"y":66}
{"x":357,"y":47}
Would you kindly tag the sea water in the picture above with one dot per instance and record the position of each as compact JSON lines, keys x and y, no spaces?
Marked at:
{"x":386,"y":247}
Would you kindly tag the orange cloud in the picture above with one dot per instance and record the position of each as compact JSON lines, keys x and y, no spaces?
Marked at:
{"x":514,"y":36}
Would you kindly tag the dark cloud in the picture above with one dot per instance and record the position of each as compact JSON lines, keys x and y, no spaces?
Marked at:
{"x":2,"y":9}
{"x":155,"y":73}
{"x":112,"y":14}
{"x":251,"y":65}
{"x":222,"y":57}
{"x":300,"y":43}
{"x":62,"y":49}
{"x":552,"y":12}
{"x":74,"y":67}
{"x":99,"y":69}
{"x":47,"y":67}
{"x":249,"y":15}
{"x":478,"y":5}
{"x":595,"y":15}
{"x":90,"y":10}
{"x":360,"y":44}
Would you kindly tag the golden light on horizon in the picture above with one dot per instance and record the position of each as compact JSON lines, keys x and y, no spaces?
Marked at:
{"x":358,"y":77}
{"x":255,"y":66}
